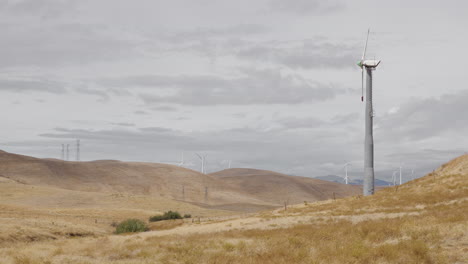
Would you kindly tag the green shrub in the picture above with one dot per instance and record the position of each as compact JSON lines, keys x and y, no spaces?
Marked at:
{"x":131,"y":225}
{"x":187,"y":216}
{"x":166,"y":216}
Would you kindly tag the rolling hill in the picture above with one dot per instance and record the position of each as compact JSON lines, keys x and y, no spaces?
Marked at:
{"x":261,"y":189}
{"x":280,"y":188}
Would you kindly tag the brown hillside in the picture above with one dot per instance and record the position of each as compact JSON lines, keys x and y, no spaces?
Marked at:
{"x":162,"y":180}
{"x":280,"y":188}
{"x":261,"y":189}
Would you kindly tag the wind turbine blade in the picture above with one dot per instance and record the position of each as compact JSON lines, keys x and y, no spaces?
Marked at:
{"x":365,"y":47}
{"x":198,"y":155}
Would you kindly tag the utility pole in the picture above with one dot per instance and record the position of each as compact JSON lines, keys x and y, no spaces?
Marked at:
{"x":183,"y":192}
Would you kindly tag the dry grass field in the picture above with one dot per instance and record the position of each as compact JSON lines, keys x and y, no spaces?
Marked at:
{"x":422,"y":221}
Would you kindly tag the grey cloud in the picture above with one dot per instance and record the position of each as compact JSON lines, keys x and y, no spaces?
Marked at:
{"x":420,"y":119}
{"x":310,"y":122}
{"x":240,"y":115}
{"x":217,"y":32}
{"x":40,"y":8}
{"x":345,"y":118}
{"x":32,"y":84}
{"x":124,"y":124}
{"x":306,"y":54}
{"x":140,"y":112}
{"x":156,"y":130}
{"x":307,"y":7}
{"x":293,"y":122}
{"x":253,"y":87}
{"x":62,"y":44}
{"x":164,"y":108}
{"x":102,"y":94}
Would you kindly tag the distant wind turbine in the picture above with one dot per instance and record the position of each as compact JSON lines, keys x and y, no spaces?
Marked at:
{"x":394,"y":177}
{"x":346,"y":171}
{"x":182,"y":162}
{"x":369,"y":66}
{"x":401,"y":166}
{"x":202,"y":159}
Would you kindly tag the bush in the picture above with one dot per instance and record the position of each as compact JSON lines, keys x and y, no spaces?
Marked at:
{"x":131,"y":225}
{"x":187,"y":216}
{"x":166,"y":216}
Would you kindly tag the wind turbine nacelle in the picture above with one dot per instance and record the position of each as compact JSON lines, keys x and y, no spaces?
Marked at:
{"x":371,"y":63}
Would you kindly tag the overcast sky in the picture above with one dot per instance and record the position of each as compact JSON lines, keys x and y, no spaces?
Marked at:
{"x":269,"y":84}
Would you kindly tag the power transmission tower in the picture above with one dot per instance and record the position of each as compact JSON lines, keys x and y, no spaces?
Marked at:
{"x":63,"y":152}
{"x":77,"y":150}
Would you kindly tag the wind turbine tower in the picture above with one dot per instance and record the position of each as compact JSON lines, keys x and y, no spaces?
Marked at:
{"x":400,"y":174}
{"x":68,"y":151}
{"x":202,"y":159}
{"x":346,"y":172}
{"x":182,"y":162}
{"x":368,"y":66}
{"x":394,"y":177}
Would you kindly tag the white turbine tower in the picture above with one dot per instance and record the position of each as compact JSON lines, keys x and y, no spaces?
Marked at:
{"x":369,"y":66}
{"x":202,"y":159}
{"x":346,"y":172}
{"x":182,"y":162}
{"x":400,"y":173}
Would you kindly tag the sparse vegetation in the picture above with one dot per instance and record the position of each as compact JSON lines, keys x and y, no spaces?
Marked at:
{"x":131,"y":226}
{"x":169,"y":215}
{"x":187,"y":216}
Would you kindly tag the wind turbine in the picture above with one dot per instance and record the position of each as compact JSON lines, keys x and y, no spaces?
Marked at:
{"x":346,"y":171}
{"x":182,"y":162}
{"x":369,"y":66}
{"x":202,"y":158}
{"x":228,"y":163}
{"x":394,"y":177}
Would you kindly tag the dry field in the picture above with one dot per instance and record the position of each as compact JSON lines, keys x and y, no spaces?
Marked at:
{"x":423,"y":221}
